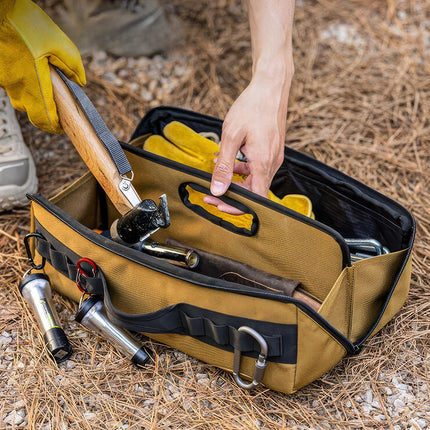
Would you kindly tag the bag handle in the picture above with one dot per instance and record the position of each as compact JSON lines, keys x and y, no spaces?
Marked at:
{"x":96,"y":145}
{"x":246,"y":224}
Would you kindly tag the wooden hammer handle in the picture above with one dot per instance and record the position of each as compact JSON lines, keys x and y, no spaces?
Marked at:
{"x":90,"y":148}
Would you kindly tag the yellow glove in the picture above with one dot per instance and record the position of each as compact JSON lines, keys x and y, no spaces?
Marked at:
{"x":188,"y":147}
{"x":29,"y":42}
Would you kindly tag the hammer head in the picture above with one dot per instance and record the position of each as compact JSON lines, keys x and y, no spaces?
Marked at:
{"x":141,"y":221}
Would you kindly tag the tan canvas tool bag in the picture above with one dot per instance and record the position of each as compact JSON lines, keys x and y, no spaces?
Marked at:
{"x":262,"y":333}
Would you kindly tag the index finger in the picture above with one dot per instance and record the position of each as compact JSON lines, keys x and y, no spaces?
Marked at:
{"x":223,"y":171}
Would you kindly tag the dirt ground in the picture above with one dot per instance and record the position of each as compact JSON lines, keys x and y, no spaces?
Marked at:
{"x":360,"y":102}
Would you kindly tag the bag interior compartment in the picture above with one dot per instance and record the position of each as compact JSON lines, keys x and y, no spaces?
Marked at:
{"x":349,"y":207}
{"x":332,"y":196}
{"x":286,"y":256}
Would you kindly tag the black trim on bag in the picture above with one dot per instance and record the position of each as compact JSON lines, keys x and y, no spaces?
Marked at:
{"x":360,"y":342}
{"x":179,"y":273}
{"x":155,"y":120}
{"x":184,"y":195}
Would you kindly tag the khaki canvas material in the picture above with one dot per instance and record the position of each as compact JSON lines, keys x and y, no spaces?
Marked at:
{"x":357,"y":299}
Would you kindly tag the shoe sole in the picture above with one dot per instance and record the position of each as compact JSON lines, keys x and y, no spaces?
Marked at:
{"x":14,"y":196}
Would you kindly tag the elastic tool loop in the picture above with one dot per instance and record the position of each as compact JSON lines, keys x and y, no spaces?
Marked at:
{"x":80,"y":272}
{"x":28,"y":250}
{"x":260,"y":364}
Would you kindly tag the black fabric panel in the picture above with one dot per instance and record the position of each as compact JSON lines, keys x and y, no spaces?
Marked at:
{"x":344,"y":204}
{"x":157,"y":118}
{"x":214,"y":328}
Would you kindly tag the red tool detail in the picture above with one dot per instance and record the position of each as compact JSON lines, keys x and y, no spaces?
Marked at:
{"x":80,"y":272}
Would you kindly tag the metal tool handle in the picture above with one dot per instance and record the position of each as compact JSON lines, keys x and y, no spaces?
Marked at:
{"x":36,"y":290}
{"x":93,"y":316}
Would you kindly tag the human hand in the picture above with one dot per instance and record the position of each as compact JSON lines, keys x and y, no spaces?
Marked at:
{"x":256,"y":121}
{"x":255,"y":125}
{"x":29,"y":42}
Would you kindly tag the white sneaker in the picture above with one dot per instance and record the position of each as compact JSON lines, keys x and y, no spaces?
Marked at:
{"x":17,"y":170}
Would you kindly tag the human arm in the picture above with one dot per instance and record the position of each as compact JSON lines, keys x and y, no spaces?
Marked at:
{"x":29,"y":42}
{"x":256,"y":121}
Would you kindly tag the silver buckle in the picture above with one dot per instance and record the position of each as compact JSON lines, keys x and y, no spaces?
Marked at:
{"x":260,"y":364}
{"x":128,"y":190}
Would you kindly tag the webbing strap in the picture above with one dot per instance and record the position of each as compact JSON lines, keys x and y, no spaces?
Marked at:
{"x":214,"y":328}
{"x":65,"y":263}
{"x":227,"y":335}
{"x":103,"y":133}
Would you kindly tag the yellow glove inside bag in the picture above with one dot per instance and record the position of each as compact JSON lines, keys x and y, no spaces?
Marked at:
{"x":29,"y":42}
{"x":184,"y":145}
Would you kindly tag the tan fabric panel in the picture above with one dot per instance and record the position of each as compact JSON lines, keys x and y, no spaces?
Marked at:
{"x":135,"y":289}
{"x":317,"y":351}
{"x":373,"y":278}
{"x":282,"y":245}
{"x":337,"y":307}
{"x":80,"y":200}
{"x":398,"y":298}
{"x":278,"y":376}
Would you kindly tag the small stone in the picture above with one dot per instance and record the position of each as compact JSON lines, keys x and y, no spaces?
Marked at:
{"x":366,"y":408}
{"x":368,"y":396}
{"x":14,"y":418}
{"x":5,"y":340}
{"x":134,"y":86}
{"x":399,"y":404}
{"x":18,"y":405}
{"x":422,"y":423}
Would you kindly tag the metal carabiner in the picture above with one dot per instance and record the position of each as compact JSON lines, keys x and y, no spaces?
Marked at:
{"x":30,"y":256}
{"x":80,"y":272}
{"x":260,"y":364}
